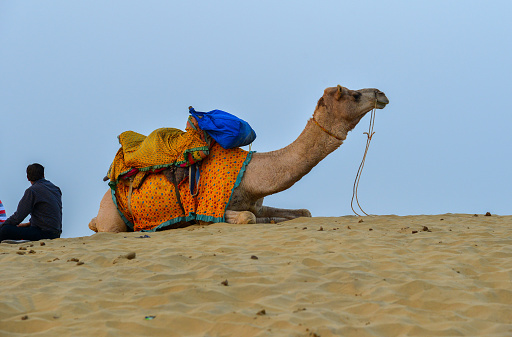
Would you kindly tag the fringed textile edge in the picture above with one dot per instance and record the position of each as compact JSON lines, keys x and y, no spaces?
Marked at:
{"x":183,"y":163}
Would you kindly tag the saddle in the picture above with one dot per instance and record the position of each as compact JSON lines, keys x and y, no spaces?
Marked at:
{"x":148,"y":177}
{"x":165,"y":199}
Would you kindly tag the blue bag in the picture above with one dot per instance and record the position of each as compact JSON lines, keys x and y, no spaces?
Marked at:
{"x":227,"y":130}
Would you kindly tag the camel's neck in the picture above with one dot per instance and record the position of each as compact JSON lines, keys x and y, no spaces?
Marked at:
{"x":275,"y":171}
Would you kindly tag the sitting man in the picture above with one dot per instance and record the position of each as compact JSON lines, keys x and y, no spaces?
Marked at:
{"x":43,"y":201}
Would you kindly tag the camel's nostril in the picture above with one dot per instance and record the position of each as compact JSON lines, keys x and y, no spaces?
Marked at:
{"x":381,"y":97}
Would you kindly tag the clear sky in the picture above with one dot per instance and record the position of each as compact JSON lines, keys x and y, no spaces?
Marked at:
{"x":75,"y":74}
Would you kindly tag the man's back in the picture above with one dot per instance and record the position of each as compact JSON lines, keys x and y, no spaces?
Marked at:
{"x":43,"y":201}
{"x":47,"y":206}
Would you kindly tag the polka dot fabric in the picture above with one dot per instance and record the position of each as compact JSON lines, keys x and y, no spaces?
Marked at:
{"x":219,"y":173}
{"x":154,"y":203}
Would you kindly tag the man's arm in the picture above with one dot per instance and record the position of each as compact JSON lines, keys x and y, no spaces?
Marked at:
{"x":24,"y":209}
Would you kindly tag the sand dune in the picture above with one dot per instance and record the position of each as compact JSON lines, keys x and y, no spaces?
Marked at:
{"x":427,"y":275}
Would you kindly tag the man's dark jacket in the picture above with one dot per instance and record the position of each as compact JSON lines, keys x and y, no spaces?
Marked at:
{"x":43,"y":201}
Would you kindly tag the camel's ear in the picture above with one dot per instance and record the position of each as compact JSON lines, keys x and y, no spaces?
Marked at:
{"x":339,"y":93}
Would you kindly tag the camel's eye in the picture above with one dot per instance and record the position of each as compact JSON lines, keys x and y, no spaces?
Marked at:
{"x":357,"y":95}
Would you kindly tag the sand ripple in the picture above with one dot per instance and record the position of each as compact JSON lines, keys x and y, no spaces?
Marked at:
{"x":428,"y":275}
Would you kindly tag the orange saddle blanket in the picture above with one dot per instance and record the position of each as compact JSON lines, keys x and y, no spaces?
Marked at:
{"x":152,"y":205}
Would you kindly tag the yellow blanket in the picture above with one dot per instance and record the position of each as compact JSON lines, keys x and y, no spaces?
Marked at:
{"x":154,"y":205}
{"x":162,"y":148}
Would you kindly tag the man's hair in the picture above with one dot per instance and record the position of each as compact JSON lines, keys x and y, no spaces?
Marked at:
{"x":35,"y":172}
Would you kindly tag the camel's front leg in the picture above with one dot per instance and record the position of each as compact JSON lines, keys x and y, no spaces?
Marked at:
{"x":267,"y":214}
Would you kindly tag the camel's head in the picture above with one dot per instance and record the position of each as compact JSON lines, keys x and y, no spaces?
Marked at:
{"x":342,"y":108}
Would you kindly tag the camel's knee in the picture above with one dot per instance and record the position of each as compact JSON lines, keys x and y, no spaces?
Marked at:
{"x":243,"y":217}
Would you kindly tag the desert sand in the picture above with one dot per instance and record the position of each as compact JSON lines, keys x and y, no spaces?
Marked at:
{"x":423,"y":275}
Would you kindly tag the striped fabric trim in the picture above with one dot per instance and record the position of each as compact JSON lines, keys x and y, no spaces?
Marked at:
{"x":3,"y":216}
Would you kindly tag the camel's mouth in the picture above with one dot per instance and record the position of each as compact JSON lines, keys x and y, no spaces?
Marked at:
{"x":382,"y":100}
{"x":381,"y":105}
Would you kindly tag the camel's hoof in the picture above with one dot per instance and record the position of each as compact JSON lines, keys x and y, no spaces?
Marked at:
{"x":92,"y":225}
{"x":243,"y":217}
{"x":246,"y":217}
{"x":305,"y":213}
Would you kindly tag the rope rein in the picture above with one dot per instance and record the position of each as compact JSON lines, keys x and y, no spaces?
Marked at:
{"x":369,"y":135}
{"x":325,"y":130}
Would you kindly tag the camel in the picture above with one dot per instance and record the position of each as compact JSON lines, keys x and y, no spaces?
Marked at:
{"x":337,"y":112}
